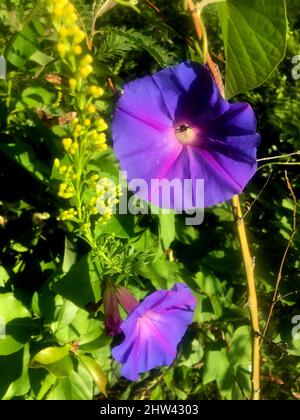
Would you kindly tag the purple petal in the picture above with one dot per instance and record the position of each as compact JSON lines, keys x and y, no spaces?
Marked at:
{"x":153,"y":330}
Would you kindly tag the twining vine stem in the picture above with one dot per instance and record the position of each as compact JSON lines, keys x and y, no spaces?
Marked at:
{"x":241,"y":228}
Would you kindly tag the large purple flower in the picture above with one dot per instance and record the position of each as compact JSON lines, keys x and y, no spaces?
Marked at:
{"x":175,"y":124}
{"x":153,"y":330}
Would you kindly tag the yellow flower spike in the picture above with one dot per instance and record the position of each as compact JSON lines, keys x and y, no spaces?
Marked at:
{"x":86,"y":70}
{"x":56,"y":163}
{"x":77,"y":50}
{"x":91,"y":109}
{"x":67,"y":143}
{"x":75,"y":121}
{"x":87,"y":122}
{"x":95,"y":177}
{"x":73,"y":84}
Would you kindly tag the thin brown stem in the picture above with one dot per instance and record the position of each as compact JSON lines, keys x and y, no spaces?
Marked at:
{"x":198,"y":27}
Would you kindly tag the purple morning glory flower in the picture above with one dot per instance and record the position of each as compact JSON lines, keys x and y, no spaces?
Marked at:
{"x":153,"y":330}
{"x":175,"y":124}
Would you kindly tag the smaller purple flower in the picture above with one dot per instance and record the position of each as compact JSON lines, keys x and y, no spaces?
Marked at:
{"x":112,"y":297}
{"x":153,"y":330}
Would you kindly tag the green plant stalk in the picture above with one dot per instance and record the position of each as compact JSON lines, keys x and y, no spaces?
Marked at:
{"x":252,"y":296}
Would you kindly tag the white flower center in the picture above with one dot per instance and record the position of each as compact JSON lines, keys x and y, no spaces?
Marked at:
{"x":185,"y":134}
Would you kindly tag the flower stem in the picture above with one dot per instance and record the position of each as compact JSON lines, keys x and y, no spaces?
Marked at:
{"x":252,"y":296}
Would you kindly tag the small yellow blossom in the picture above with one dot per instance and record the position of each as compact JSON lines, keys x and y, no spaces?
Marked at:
{"x":91,"y":109}
{"x":77,"y":50}
{"x":73,"y":148}
{"x":67,"y":214}
{"x":96,"y":91}
{"x":87,"y":59}
{"x":62,"y":48}
{"x":101,"y":125}
{"x":73,"y":84}
{"x":63,"y":31}
{"x":67,"y":143}
{"x":86,"y":70}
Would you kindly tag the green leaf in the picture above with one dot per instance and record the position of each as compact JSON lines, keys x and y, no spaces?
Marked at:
{"x":162,"y":273}
{"x":4,"y":276}
{"x":81,"y":285}
{"x":50,"y":355}
{"x":41,"y":58}
{"x":14,"y":374}
{"x":96,"y":372}
{"x":24,"y":155}
{"x":21,"y":385}
{"x":167,"y":229}
{"x":240,"y":347}
{"x":54,"y":359}
{"x":217,"y":368}
{"x":122,"y":226}
{"x":78,"y":386}
{"x":35,"y":97}
{"x":255,"y":36}
{"x":15,"y":324}
{"x":69,"y":255}
{"x":22,"y":46}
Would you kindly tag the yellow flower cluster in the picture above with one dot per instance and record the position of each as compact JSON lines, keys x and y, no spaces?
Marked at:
{"x":96,"y":91}
{"x":66,"y":191}
{"x":66,"y":170}
{"x":70,"y":146}
{"x":67,"y":214}
{"x":106,"y":198}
